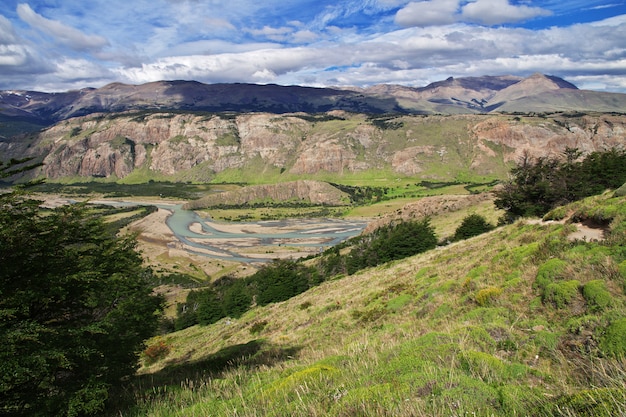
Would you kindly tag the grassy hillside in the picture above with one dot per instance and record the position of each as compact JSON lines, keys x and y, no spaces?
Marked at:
{"x":520,"y":321}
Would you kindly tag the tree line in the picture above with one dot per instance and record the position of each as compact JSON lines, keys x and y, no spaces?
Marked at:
{"x":283,"y":279}
{"x":538,"y":185}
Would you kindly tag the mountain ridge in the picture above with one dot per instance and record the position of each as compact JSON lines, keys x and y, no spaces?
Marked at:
{"x":451,"y":96}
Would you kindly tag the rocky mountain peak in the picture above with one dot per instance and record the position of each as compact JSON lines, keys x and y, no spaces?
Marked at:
{"x":531,"y":86}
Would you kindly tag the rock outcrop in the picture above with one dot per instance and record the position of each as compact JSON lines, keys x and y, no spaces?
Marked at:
{"x":201,"y":146}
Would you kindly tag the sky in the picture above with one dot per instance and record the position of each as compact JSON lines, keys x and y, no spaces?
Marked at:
{"x":61,"y":45}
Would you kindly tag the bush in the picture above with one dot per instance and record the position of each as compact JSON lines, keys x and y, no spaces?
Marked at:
{"x":280,"y":281}
{"x":472,"y":225}
{"x":391,"y":242}
{"x":156,"y":351}
{"x":561,"y":293}
{"x":597,"y":295}
{"x":548,"y":272}
{"x":486,"y":296}
{"x":541,"y":184}
{"x":613,"y":342}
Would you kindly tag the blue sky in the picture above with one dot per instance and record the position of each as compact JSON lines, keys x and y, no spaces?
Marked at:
{"x":58,"y":45}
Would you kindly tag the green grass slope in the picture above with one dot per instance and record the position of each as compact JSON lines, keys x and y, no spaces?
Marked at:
{"x":520,"y":321}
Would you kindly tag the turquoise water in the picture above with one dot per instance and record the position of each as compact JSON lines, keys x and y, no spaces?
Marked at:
{"x":323,"y":232}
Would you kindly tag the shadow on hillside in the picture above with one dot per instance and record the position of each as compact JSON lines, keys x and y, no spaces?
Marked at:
{"x":193,"y":373}
{"x":250,"y":355}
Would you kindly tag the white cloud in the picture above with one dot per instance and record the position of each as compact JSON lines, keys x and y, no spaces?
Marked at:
{"x":286,"y":34}
{"x":19,"y":61}
{"x":445,"y":12}
{"x":304,"y":36}
{"x":277,"y":34}
{"x":349,"y":43}
{"x":495,"y":12}
{"x":407,"y":56}
{"x":428,"y":13}
{"x":80,"y":70}
{"x":219,"y":23}
{"x":67,"y":35}
{"x":611,"y":21}
{"x":13,"y":53}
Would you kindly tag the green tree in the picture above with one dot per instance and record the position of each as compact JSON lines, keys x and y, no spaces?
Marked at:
{"x":210,"y":307}
{"x":75,"y":309}
{"x":391,"y":242}
{"x":541,"y":184}
{"x":237,"y":298}
{"x":280,"y":280}
{"x":472,"y":225}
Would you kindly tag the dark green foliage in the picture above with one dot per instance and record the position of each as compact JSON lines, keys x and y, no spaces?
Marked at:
{"x":203,"y":306}
{"x":237,"y":298}
{"x":75,"y":309}
{"x":210,"y":308}
{"x":231,"y":297}
{"x":362,"y":195}
{"x":391,"y":242}
{"x":280,"y":281}
{"x":541,"y":184}
{"x":472,"y":225}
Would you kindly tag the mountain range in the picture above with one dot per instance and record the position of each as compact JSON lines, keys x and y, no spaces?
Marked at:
{"x":487,"y":94}
{"x":187,"y":131}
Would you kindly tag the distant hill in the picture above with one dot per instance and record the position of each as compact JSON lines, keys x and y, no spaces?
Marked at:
{"x":537,"y":93}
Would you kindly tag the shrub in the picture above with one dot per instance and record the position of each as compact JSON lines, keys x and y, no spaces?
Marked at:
{"x":541,"y":184}
{"x":280,"y":281}
{"x":156,"y":351}
{"x":561,"y":293}
{"x":613,"y":342}
{"x":258,"y":326}
{"x":548,"y":272}
{"x":597,"y":295}
{"x":486,"y":296}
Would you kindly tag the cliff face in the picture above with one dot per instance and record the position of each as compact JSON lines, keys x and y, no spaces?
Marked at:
{"x":201,"y":146}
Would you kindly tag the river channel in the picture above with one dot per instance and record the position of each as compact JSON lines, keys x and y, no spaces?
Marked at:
{"x":247,"y":242}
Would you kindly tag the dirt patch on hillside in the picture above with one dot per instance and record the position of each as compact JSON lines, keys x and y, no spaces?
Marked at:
{"x":587,"y":230}
{"x":429,"y":206}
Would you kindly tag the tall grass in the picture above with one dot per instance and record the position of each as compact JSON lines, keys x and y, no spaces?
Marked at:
{"x":460,"y":330}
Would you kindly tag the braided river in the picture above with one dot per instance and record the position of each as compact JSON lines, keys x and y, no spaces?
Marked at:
{"x":247,"y":242}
